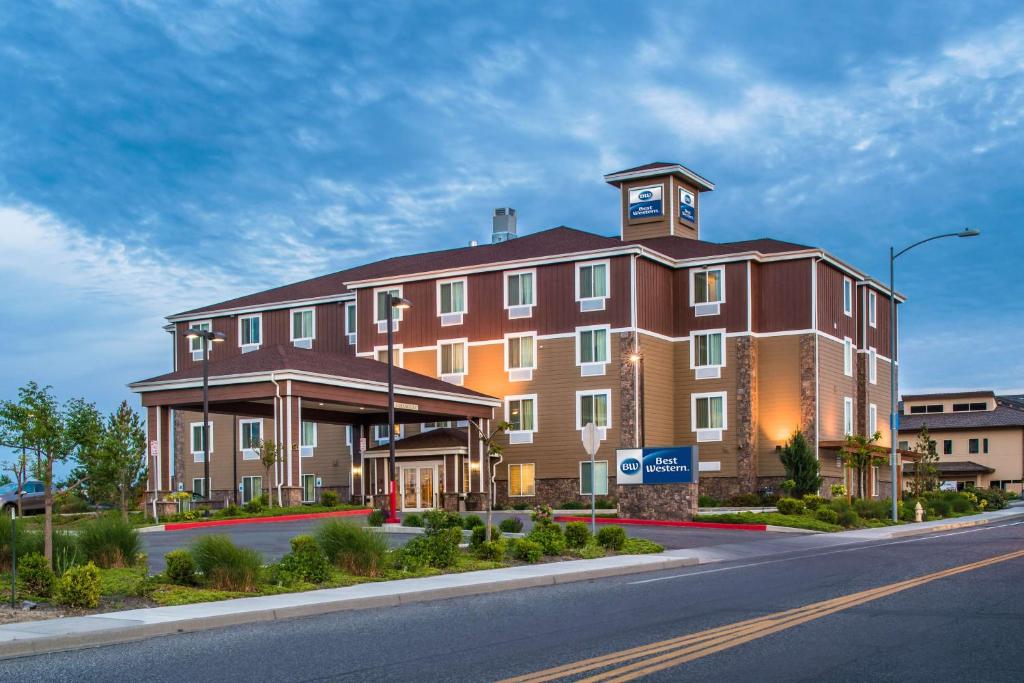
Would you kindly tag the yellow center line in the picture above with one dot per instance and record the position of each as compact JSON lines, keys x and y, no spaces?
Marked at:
{"x":675,"y":651}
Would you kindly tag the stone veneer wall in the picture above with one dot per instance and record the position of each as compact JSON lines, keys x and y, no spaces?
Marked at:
{"x":627,"y":393}
{"x":553,"y":492}
{"x":747,"y":412}
{"x":719,"y":487}
{"x":658,"y":501}
{"x":179,"y":450}
{"x":808,"y":389}
{"x":861,"y":419}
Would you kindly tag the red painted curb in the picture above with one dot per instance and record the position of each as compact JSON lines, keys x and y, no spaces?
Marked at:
{"x":178,"y":526}
{"x":659,"y":522}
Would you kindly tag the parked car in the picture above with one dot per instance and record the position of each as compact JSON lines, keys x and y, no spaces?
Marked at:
{"x":32,"y":496}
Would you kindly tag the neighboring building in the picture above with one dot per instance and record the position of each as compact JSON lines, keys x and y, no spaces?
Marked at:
{"x":656,"y":335}
{"x":979,"y":436}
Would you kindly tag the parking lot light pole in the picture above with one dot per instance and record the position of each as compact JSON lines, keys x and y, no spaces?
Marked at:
{"x":393,"y":303}
{"x":893,"y":368}
{"x":208,"y":338}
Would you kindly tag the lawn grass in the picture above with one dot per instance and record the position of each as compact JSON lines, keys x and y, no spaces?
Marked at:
{"x":773,"y":518}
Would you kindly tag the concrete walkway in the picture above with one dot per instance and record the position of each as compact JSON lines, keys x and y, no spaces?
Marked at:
{"x":103,"y":629}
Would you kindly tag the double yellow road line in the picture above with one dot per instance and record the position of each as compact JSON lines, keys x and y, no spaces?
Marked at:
{"x":637,"y":662}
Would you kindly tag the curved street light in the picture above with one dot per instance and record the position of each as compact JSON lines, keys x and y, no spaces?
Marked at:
{"x":398,"y":303}
{"x":209,"y":337}
{"x":894,"y":459}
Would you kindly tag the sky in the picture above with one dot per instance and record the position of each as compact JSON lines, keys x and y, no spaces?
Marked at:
{"x":155,"y":157}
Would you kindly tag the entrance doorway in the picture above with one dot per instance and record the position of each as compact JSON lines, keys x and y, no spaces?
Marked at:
{"x":419,"y":486}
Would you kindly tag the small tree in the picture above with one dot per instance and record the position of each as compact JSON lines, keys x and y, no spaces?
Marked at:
{"x":117,"y":467}
{"x":802,"y":467}
{"x":493,"y":449}
{"x":269,"y":455}
{"x":926,"y":471}
{"x":860,"y":454}
{"x":19,"y":468}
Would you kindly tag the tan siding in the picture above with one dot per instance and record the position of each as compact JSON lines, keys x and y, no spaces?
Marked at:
{"x":723,"y":451}
{"x":833,"y":386}
{"x":778,"y":390}
{"x":660,"y":393}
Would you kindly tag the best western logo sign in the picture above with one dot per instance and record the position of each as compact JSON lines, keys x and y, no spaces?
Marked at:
{"x":687,"y":206}
{"x":669,"y":465}
{"x":645,"y":202}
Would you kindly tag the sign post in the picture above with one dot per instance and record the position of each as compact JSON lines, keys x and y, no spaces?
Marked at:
{"x":591,"y":442}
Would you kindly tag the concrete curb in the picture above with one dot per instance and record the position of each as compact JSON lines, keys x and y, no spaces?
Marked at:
{"x":58,"y":635}
{"x":955,"y":525}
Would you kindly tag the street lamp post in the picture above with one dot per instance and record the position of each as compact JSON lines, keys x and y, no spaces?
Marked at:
{"x":393,"y":302}
{"x":208,"y":337}
{"x":894,"y":461}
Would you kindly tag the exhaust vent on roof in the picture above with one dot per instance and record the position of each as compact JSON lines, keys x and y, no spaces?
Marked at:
{"x":503,"y":225}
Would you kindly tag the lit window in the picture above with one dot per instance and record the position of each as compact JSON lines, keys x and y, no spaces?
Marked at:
{"x":707,"y":286}
{"x":451,"y":297}
{"x":592,"y":281}
{"x":709,"y":411}
{"x":452,"y":358}
{"x":592,"y":345}
{"x":303,"y":326}
{"x":521,"y":413}
{"x":600,"y":478}
{"x":593,"y":406}
{"x":250,"y":332}
{"x":521,"y":480}
{"x":847,"y":296}
{"x":708,"y":349}
{"x":520,"y":352}
{"x":381,"y":354}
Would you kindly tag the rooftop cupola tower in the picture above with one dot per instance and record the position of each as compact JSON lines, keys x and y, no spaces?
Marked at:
{"x":659,"y":199}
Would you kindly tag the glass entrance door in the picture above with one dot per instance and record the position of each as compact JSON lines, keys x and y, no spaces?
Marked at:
{"x":419,"y":486}
{"x":410,"y":490}
{"x":427,"y":475}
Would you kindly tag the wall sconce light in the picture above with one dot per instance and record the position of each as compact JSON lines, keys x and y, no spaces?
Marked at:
{"x":474,"y":465}
{"x":357,"y":470}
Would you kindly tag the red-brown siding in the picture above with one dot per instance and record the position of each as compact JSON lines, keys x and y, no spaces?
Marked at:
{"x":782,"y":293}
{"x":733,"y":315}
{"x":831,"y":319}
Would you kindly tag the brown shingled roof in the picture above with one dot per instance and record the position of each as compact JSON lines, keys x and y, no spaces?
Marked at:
{"x":955,"y":467}
{"x":683,"y":248}
{"x":444,"y":437}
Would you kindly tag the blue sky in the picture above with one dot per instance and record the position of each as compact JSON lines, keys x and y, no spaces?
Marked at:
{"x":159,"y":156}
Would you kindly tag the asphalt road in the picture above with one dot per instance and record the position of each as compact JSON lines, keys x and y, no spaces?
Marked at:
{"x":966,"y":626}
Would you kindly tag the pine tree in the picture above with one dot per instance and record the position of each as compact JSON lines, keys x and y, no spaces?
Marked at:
{"x":926,"y":471}
{"x":802,"y":467}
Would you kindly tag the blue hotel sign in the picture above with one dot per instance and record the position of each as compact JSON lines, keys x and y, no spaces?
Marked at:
{"x":664,"y":465}
{"x":687,"y":206}
{"x":645,"y":202}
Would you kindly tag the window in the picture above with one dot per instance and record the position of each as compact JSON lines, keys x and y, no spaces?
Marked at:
{"x":872,"y":419}
{"x":465,"y":473}
{"x":707,"y":286}
{"x":708,"y":415}
{"x":874,"y":480}
{"x":904,"y":445}
{"x":250,"y":432}
{"x":872,"y":309}
{"x":592,"y":285}
{"x":592,"y":350}
{"x":872,"y":366}
{"x":972,"y":446}
{"x":918,"y":410}
{"x":519,"y":356}
{"x":600,"y":478}
{"x":847,"y":296}
{"x":521,"y":414}
{"x":438,"y":424}
{"x":381,"y":306}
{"x":381,"y":353}
{"x":593,"y":406}
{"x":521,"y":481}
{"x":519,"y":297}
{"x":200,"y":488}
{"x":303,"y":325}
{"x":195,"y":344}
{"x":707,"y":354}
{"x":250,"y":333}
{"x":847,"y":416}
{"x":984,"y":445}
{"x":452,"y":361}
{"x":308,"y":488}
{"x":350,"y":323}
{"x":966,"y":407}
{"x":251,"y":487}
{"x":307,"y":438}
{"x":947,"y":447}
{"x":451,"y":301}
{"x":197,"y":440}
{"x":380,"y":432}
{"x":848,"y":357}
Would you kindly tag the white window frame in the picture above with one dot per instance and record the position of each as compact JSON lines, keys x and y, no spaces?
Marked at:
{"x":607,"y":393}
{"x":847,"y":296}
{"x":382,"y":323}
{"x":302,"y":487}
{"x":872,"y":365}
{"x":248,"y":453}
{"x":252,"y":346}
{"x":522,"y":493}
{"x":197,"y":454}
{"x":306,"y":449}
{"x":872,"y":308}
{"x":706,"y":371}
{"x":195,"y":344}
{"x":604,"y":479}
{"x":847,"y":416}
{"x":872,"y":419}
{"x":593,"y":368}
{"x":453,"y":377}
{"x":520,"y":374}
{"x":521,"y":435}
{"x":397,"y":358}
{"x":351,"y":333}
{"x":206,"y":488}
{"x":521,"y":310}
{"x":306,"y":342}
{"x":259,"y":491}
{"x":847,"y":356}
{"x":348,"y":435}
{"x":453,"y":317}
{"x":707,"y":307}
{"x":594,"y":303}
{"x":709,"y":433}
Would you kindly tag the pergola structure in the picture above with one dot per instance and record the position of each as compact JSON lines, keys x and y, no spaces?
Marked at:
{"x":289,"y":385}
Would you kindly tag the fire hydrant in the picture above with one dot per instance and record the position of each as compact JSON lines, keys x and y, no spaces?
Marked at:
{"x":918,"y":512}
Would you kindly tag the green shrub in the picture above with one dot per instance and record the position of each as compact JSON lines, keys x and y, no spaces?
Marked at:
{"x":411,"y":519}
{"x":26,"y":541}
{"x":66,"y":551}
{"x":521,"y":506}
{"x":437,"y":520}
{"x":827,"y":515}
{"x":329,"y":499}
{"x":439,"y":549}
{"x":845,"y":514}
{"x":574,"y":505}
{"x":745,"y":500}
{"x":181,"y":568}
{"x":306,"y":562}
{"x":873,"y":509}
{"x":256,"y":505}
{"x":541,"y":514}
{"x":470,"y":522}
{"x":590,"y":551}
{"x":69,"y":503}
{"x":606,"y":504}
{"x":79,"y":587}
{"x":491,"y":550}
{"x":351,"y":548}
{"x":549,"y":537}
{"x":229,"y":510}
{"x":612,"y":537}
{"x":992,"y":499}
{"x":577,"y":535}
{"x":35,"y":575}
{"x":480,"y":533}
{"x":512,"y":525}
{"x":109,"y":541}
{"x":376,"y":518}
{"x":963,"y":504}
{"x":708,"y":502}
{"x":526,"y":550}
{"x":640,"y":546}
{"x":226,"y":566}
{"x":790,"y":506}
{"x":813,"y":501}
